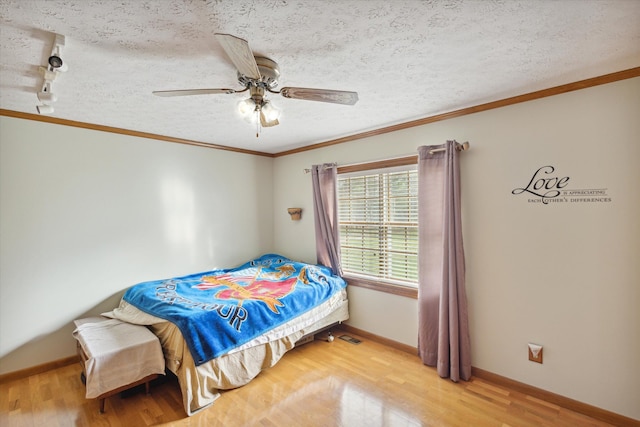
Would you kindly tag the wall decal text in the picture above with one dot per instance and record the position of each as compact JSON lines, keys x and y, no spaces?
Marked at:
{"x":547,"y":187}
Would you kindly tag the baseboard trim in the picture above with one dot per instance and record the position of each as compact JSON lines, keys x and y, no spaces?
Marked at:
{"x":377,"y":338}
{"x":556,"y":399}
{"x":547,"y":396}
{"x":39,"y":369}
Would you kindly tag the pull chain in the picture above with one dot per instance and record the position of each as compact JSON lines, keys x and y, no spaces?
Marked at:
{"x":257,"y":122}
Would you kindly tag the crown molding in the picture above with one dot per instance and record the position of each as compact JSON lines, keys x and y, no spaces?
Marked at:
{"x":557,"y":90}
{"x":582,"y":84}
{"x":83,"y":125}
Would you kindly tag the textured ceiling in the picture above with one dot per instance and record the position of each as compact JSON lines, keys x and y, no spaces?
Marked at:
{"x":407,"y":59}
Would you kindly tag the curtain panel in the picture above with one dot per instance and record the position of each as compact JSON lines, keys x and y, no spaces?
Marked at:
{"x":443,"y":329}
{"x":325,"y":209}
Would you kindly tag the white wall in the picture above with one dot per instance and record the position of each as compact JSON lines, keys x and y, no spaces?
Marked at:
{"x":563,"y":275}
{"x":86,"y":214}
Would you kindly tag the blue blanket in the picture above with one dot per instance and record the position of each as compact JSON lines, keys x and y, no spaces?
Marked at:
{"x":219,"y":310}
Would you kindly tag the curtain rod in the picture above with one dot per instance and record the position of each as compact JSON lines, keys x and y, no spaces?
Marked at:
{"x":465,"y":146}
{"x":326,"y":166}
{"x":462,"y":147}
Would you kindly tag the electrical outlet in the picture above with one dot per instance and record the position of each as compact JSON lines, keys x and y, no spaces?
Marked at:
{"x":535,"y":355}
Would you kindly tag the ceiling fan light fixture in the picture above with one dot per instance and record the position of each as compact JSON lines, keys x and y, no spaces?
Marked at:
{"x":271,"y":113}
{"x":246,"y":107}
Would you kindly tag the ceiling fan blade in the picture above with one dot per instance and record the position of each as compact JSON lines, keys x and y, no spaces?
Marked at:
{"x":187,"y":92}
{"x":322,"y":95}
{"x":240,"y":54}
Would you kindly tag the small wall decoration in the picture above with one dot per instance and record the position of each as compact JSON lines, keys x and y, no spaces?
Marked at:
{"x":296,"y":213}
{"x":546,"y":186}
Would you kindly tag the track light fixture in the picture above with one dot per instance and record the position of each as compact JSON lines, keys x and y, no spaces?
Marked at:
{"x":50,"y":71}
{"x":55,"y":61}
{"x":45,"y":95}
{"x":44,"y":109}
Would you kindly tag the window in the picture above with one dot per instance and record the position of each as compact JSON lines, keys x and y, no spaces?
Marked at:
{"x":378,"y":219}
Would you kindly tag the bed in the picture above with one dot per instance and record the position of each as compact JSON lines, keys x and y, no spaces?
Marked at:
{"x":219,"y":329}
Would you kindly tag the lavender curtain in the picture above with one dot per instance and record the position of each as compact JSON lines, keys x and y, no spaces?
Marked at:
{"x":325,"y":208}
{"x":443,"y":330}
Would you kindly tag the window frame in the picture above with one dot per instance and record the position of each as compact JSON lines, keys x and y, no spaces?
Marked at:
{"x":380,"y":285}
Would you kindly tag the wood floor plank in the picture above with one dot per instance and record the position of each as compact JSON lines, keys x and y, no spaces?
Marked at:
{"x":317,"y":384}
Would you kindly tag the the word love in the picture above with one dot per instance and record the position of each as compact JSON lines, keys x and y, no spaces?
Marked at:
{"x":542,"y":185}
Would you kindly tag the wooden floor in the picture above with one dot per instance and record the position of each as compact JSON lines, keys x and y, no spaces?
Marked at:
{"x":317,"y":384}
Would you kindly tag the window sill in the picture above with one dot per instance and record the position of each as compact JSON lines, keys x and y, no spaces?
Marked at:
{"x":390,"y":288}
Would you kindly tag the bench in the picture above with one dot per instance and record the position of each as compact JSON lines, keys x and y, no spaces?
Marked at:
{"x":116,"y":356}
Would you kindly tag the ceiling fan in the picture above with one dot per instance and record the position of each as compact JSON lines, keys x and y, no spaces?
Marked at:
{"x":259,"y":75}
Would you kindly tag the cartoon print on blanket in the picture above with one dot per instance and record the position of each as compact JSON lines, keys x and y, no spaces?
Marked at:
{"x":263,"y":286}
{"x":219,"y":310}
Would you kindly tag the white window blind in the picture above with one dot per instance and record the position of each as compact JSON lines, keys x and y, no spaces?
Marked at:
{"x":378,"y":217}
